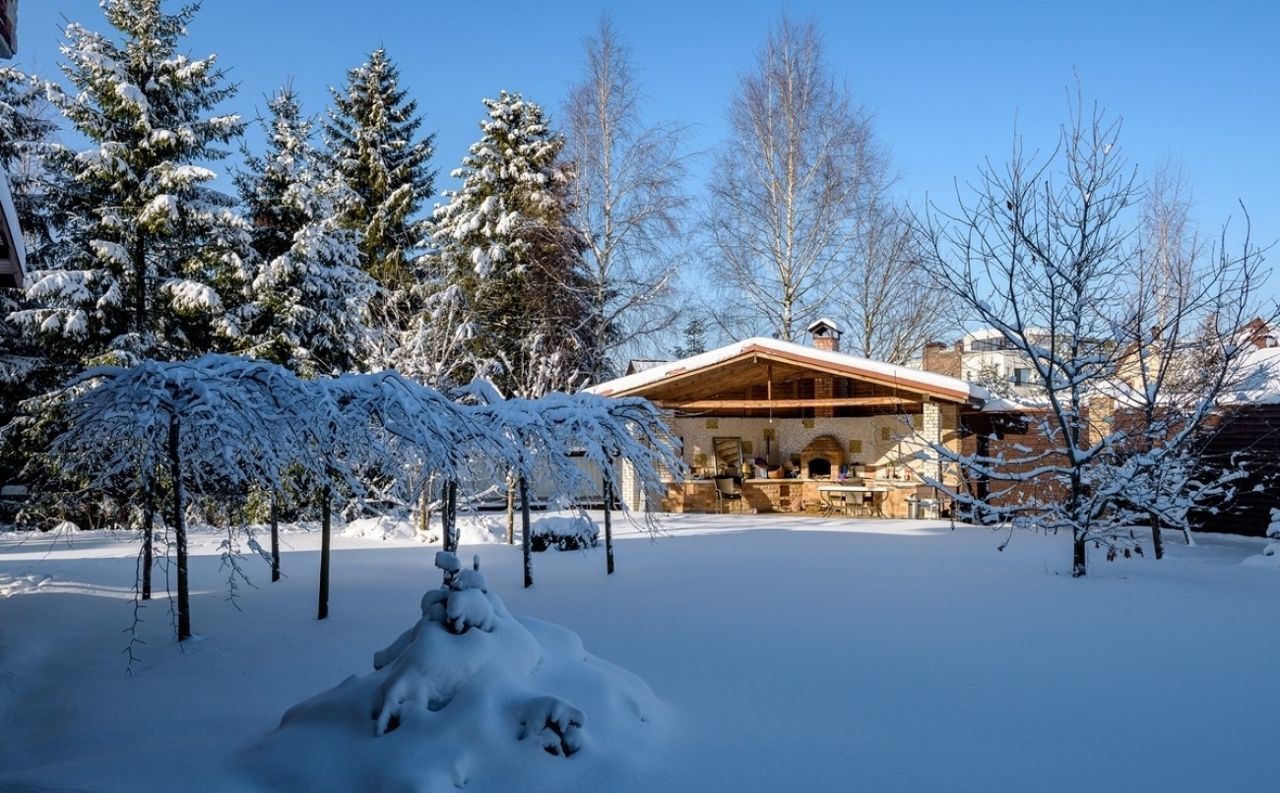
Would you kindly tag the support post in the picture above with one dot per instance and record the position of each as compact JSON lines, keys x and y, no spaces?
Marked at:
{"x":526,"y":540}
{"x":148,"y":533}
{"x":179,"y":532}
{"x":275,"y":537}
{"x":322,"y":608}
{"x":608,"y":526}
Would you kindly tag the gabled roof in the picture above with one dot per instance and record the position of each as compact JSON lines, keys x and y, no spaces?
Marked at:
{"x":822,"y":361}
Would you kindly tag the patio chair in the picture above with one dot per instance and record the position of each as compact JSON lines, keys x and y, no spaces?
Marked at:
{"x":727,"y":491}
{"x":833,"y":502}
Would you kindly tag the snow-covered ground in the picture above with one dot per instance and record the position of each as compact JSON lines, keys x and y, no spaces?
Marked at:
{"x":787,"y":653}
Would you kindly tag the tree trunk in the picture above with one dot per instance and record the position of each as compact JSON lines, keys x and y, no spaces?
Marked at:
{"x":526,"y":540}
{"x":608,"y":527}
{"x":179,"y":533}
{"x":511,"y":509}
{"x":275,"y":538}
{"x":140,"y":285}
{"x":424,"y":515}
{"x":1078,"y":568}
{"x":322,"y":610}
{"x":148,"y":533}
{"x":451,"y":509}
{"x":1186,"y":533}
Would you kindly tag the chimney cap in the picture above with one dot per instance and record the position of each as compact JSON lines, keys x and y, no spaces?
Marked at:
{"x":825,"y":327}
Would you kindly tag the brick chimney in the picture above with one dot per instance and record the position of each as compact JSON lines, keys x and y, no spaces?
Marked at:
{"x":826,"y":335}
{"x":938,"y":358}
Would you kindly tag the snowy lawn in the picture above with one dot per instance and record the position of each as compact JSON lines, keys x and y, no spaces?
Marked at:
{"x":790,"y":653}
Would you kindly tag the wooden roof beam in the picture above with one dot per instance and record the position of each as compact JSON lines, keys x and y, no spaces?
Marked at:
{"x":765,"y":404}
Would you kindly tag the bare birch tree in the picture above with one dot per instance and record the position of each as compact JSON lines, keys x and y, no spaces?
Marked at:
{"x":890,"y":306}
{"x":787,"y":188}
{"x":626,"y":198}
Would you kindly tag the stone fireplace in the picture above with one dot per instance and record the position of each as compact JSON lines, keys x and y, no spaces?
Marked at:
{"x":822,"y":458}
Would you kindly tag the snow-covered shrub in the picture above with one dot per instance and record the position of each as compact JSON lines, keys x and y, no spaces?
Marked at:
{"x":1270,"y":556}
{"x":563,"y":533}
{"x":469,"y":696}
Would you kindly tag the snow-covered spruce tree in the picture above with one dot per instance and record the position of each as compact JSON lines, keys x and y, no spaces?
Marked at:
{"x":1044,"y":253}
{"x":27,"y":137}
{"x":309,"y":301}
{"x":506,"y":239}
{"x":150,"y":261}
{"x":372,"y":135}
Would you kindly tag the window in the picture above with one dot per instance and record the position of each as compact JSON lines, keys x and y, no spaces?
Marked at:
{"x":1021,"y":376}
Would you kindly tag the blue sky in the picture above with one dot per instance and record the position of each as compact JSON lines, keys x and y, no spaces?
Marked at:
{"x":1194,"y":81}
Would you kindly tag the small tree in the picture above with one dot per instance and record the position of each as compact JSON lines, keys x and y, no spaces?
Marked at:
{"x":1044,"y":253}
{"x":214,"y":425}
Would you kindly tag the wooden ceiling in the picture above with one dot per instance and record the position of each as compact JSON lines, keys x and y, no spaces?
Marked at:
{"x":759,"y":384}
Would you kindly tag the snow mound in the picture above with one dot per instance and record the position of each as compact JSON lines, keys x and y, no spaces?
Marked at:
{"x":469,"y":697}
{"x":385,"y":528}
{"x":388,"y":529}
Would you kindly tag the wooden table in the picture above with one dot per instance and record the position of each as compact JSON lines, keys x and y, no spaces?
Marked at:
{"x":877,"y":495}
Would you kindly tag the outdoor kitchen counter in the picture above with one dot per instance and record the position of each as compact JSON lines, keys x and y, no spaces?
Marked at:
{"x":777,"y":495}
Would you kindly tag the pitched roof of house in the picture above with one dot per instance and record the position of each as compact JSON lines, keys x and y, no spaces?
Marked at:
{"x":834,"y":363}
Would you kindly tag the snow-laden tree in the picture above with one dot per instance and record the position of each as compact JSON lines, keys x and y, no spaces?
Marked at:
{"x":505,"y":237}
{"x":210,"y":426}
{"x":1045,"y":252}
{"x":150,"y":260}
{"x":374,"y":145}
{"x":562,"y":438}
{"x":429,"y":335}
{"x":308,"y":304}
{"x":626,"y":202}
{"x":27,"y":136}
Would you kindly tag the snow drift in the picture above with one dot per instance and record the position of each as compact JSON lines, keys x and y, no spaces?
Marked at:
{"x":469,"y":697}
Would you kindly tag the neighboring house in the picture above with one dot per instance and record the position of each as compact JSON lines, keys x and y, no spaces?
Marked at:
{"x":810,"y":415}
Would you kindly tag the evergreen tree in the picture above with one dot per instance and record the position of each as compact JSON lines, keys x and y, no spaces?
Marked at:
{"x":26,"y":137}
{"x":695,"y":339}
{"x":373,"y":143}
{"x":505,"y":239}
{"x":149,"y":258}
{"x":309,"y":300}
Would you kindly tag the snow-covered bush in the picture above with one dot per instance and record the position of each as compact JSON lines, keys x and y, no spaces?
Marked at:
{"x":1270,"y":556}
{"x":469,"y":696}
{"x":563,"y":533}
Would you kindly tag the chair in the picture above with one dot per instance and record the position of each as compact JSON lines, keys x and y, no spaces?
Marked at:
{"x":863,"y":505}
{"x":727,"y":490}
{"x":832,"y":502}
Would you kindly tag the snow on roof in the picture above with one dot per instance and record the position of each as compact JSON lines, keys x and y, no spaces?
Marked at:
{"x":854,"y":365}
{"x":1260,"y":378}
{"x":644,"y":364}
{"x":830,"y":323}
